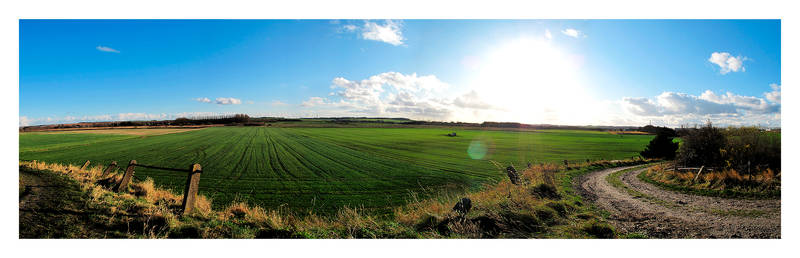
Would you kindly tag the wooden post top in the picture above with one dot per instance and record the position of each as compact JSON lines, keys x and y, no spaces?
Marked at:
{"x":133,"y":162}
{"x":196,"y":168}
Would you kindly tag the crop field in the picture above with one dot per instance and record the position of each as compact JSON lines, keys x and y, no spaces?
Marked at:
{"x":323,"y":169}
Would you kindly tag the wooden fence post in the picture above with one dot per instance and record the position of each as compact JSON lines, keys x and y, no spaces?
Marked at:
{"x":190,"y":192}
{"x":698,"y":173}
{"x":126,"y":179}
{"x":85,"y":165}
{"x":110,"y":168}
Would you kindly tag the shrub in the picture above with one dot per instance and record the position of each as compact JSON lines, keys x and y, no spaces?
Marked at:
{"x":661,"y":147}
{"x":749,"y":150}
{"x":702,"y":147}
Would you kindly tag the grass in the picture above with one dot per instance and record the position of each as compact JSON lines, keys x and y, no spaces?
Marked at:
{"x":324,"y":169}
{"x":726,"y":184}
{"x":37,"y":142}
{"x":502,"y":210}
{"x":614,"y":180}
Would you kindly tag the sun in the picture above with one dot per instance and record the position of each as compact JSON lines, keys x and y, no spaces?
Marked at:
{"x":532,"y":80}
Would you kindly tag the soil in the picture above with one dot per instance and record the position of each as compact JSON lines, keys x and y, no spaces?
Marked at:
{"x":659,"y":213}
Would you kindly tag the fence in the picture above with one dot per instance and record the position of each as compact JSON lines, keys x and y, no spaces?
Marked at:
{"x":189,"y":192}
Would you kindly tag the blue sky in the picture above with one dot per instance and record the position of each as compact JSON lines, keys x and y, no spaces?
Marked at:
{"x":601,"y":72}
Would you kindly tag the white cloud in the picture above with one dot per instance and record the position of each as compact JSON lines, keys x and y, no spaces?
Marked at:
{"x":727,"y":63}
{"x":24,"y":121}
{"x":388,"y":32}
{"x":223,"y":101}
{"x":313,"y":101}
{"x":573,"y":33}
{"x":369,"y":91}
{"x":739,"y":101}
{"x":775,"y":95}
{"x":385,"y":94}
{"x":673,"y":108}
{"x":471,"y":100}
{"x":136,"y":116}
{"x":228,"y":101}
{"x":107,"y":49}
{"x":547,"y":34}
{"x":350,"y":28}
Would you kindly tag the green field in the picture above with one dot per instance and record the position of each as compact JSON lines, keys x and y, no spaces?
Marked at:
{"x":325,"y":168}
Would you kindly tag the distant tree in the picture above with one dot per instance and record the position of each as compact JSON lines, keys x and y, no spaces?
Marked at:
{"x":182,"y":121}
{"x":661,"y":147}
{"x":666,"y":131}
{"x":702,"y":146}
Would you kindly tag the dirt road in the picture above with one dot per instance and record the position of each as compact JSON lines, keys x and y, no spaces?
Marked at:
{"x":656,"y":213}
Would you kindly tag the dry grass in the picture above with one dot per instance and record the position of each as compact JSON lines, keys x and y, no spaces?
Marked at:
{"x":725,"y":179}
{"x":492,"y":204}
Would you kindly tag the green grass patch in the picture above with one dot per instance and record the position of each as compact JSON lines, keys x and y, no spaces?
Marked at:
{"x":29,"y":142}
{"x":324,"y":169}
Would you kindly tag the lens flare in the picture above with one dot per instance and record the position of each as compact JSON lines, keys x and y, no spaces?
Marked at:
{"x":477,"y":149}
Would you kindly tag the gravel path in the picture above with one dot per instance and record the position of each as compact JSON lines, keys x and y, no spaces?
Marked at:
{"x":659,"y":213}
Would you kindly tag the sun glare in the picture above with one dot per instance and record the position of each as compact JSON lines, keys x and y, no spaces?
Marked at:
{"x":531,"y":80}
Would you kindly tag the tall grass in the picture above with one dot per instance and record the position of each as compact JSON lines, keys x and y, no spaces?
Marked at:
{"x":722,"y":182}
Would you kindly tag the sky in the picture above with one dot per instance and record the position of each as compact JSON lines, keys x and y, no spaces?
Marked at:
{"x":569,"y":72}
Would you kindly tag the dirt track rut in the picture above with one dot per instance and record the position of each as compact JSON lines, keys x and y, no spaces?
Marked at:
{"x":659,"y":213}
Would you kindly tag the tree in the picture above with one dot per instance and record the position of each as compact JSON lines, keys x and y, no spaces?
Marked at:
{"x":661,"y":147}
{"x":702,"y":146}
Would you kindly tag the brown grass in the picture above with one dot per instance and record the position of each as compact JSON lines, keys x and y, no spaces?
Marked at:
{"x":716,"y":180}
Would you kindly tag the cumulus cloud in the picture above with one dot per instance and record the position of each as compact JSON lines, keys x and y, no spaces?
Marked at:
{"x":733,"y":109}
{"x":24,"y":121}
{"x":775,"y":95}
{"x":727,"y":62}
{"x":223,"y":101}
{"x":368,"y":91}
{"x":349,"y":28}
{"x":228,"y":101}
{"x":313,"y":101}
{"x":547,"y":34}
{"x":390,"y":94}
{"x":471,"y":100}
{"x":641,"y":106}
{"x":107,"y":49}
{"x":389,"y":32}
{"x":573,"y":33}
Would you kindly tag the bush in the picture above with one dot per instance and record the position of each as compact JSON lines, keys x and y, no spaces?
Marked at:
{"x":749,"y":150}
{"x":661,"y":147}
{"x":702,"y":147}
